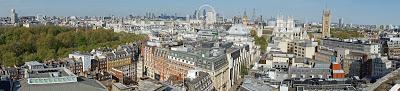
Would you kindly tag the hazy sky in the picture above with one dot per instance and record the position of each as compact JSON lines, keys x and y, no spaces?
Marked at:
{"x":353,"y":11}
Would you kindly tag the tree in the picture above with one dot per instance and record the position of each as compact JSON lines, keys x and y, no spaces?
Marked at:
{"x":345,"y":33}
{"x":21,"y":44}
{"x":9,"y":59}
{"x":243,"y":70}
{"x":253,"y":33}
{"x":262,"y":42}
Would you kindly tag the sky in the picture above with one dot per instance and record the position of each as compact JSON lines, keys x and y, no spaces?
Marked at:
{"x":352,"y":11}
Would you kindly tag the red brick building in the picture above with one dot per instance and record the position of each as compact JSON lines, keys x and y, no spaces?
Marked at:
{"x":337,"y":71}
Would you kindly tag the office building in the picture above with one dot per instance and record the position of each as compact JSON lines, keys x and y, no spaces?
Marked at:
{"x":305,"y":48}
{"x":222,"y":60}
{"x":353,"y":46}
{"x":341,"y":23}
{"x":372,"y":69}
{"x":14,"y":17}
{"x":345,"y":52}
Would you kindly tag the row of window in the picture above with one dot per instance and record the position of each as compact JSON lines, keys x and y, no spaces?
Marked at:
{"x":181,"y":60}
{"x":309,"y":76}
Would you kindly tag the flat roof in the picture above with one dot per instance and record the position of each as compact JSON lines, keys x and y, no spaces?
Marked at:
{"x":51,"y":76}
{"x":33,"y":63}
{"x":120,"y":86}
{"x":86,"y":85}
{"x":50,"y":72}
{"x":150,"y":85}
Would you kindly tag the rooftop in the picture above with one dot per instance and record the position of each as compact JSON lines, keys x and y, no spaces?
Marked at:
{"x":238,"y":29}
{"x":196,"y":77}
{"x":49,"y":72}
{"x":120,"y":86}
{"x":359,"y":42}
{"x":302,"y":60}
{"x":50,"y":76}
{"x":307,"y":43}
{"x":253,"y":84}
{"x":205,"y":54}
{"x":33,"y":63}
{"x":85,"y":85}
{"x":150,"y":85}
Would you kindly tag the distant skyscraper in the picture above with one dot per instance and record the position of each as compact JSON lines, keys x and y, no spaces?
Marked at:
{"x":153,"y":15}
{"x":341,"y":25}
{"x":326,"y":23}
{"x":188,"y":18}
{"x":204,"y":13}
{"x":14,"y":17}
{"x":253,"y":17}
{"x":211,"y":17}
{"x":195,"y":14}
{"x":147,"y":15}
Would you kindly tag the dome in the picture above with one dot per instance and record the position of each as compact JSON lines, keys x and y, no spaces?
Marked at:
{"x":238,"y":29}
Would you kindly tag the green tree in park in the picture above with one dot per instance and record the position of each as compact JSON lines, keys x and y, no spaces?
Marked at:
{"x":20,"y":44}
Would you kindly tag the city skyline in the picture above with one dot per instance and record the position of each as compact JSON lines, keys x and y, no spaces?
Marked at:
{"x":354,"y":11}
{"x":199,"y":45}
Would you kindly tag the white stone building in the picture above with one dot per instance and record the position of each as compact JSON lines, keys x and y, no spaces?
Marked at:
{"x":287,"y":29}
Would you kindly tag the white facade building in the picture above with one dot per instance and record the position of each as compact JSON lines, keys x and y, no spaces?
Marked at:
{"x":86,"y":60}
{"x":287,"y":29}
{"x":240,"y":35}
{"x":211,"y":17}
{"x":305,"y":48}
